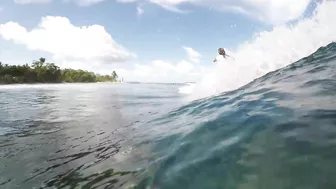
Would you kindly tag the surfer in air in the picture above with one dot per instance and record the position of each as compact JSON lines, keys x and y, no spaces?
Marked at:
{"x":222,"y":53}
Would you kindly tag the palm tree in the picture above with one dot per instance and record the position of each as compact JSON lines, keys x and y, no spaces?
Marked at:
{"x":114,"y":76}
{"x":42,"y":60}
{"x":39,"y":63}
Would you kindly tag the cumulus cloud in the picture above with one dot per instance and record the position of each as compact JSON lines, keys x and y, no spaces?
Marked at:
{"x":92,"y":48}
{"x":165,"y":70}
{"x":68,"y":43}
{"x":193,"y":55}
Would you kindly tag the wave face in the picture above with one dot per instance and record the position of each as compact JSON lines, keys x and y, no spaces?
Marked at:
{"x":279,"y":131}
{"x":269,"y":51}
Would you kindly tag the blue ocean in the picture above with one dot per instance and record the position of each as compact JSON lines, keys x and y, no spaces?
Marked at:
{"x":278,"y":131}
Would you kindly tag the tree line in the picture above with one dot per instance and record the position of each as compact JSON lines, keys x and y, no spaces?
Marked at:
{"x":41,"y":72}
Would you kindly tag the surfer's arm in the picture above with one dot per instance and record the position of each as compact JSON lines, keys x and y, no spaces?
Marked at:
{"x":228,"y":56}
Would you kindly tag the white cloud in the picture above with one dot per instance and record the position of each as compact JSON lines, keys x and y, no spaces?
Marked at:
{"x":140,"y":11}
{"x":165,"y":71}
{"x":193,"y":55}
{"x":31,"y":1}
{"x":92,"y":48}
{"x":269,"y":11}
{"x":90,"y":45}
{"x":122,"y":72}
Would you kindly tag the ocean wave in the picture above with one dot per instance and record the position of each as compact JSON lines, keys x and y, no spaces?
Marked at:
{"x":269,"y":51}
{"x":275,"y":132}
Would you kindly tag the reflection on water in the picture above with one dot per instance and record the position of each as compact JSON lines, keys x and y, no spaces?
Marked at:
{"x":74,"y":136}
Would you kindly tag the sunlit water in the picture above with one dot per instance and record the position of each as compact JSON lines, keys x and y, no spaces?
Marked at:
{"x":69,"y":134}
{"x":278,"y":132}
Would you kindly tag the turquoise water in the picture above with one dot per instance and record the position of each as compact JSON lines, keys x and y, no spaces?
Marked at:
{"x":278,"y":132}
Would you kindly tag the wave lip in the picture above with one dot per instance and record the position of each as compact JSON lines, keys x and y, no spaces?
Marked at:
{"x":269,"y":51}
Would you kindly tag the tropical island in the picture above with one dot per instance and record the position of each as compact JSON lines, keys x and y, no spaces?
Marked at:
{"x":42,"y":72}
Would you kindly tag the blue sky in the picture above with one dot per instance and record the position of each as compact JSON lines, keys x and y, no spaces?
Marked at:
{"x":155,"y":37}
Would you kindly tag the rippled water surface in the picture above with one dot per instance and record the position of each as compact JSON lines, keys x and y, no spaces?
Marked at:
{"x":277,"y":132}
{"x":75,"y":134}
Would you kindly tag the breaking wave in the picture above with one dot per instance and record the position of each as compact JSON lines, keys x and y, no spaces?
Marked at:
{"x":268,"y":51}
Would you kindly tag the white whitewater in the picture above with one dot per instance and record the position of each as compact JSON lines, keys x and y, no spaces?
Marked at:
{"x":268,"y":51}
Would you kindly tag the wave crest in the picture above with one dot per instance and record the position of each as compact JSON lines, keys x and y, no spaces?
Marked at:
{"x":269,"y":51}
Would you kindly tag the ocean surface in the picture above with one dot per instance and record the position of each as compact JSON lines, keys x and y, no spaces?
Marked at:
{"x":277,"y":132}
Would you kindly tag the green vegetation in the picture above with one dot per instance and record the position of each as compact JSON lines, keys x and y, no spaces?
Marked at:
{"x":42,"y":72}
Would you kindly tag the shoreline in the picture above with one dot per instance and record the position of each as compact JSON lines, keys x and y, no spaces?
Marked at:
{"x":4,"y":84}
